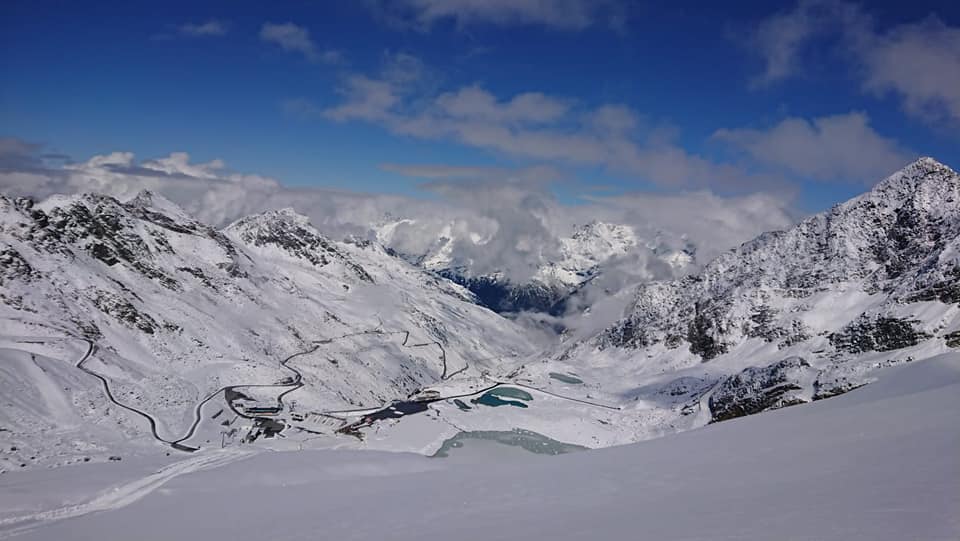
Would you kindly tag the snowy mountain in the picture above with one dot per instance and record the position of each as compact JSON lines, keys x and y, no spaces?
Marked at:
{"x":792,"y":316}
{"x":177,"y":310}
{"x":128,"y":325}
{"x":580,"y":259}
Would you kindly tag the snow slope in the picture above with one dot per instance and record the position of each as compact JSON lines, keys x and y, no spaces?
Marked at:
{"x":178,"y":310}
{"x":879,"y":463}
{"x":791,"y":316}
{"x":192,"y":327}
{"x":788,"y":318}
{"x":589,"y":251}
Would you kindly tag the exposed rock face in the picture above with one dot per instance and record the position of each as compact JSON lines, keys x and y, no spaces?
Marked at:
{"x":759,"y":389}
{"x":876,"y":334}
{"x":288,"y":231}
{"x":952,"y":339}
{"x":556,"y":283}
{"x":799,"y":315}
{"x":899,"y":240}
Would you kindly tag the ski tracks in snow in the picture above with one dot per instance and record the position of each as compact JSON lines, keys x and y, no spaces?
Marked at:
{"x":124,"y":494}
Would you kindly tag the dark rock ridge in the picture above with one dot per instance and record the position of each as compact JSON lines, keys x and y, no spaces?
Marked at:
{"x":878,"y":333}
{"x":838,"y":293}
{"x":899,"y":240}
{"x":291,"y":232}
{"x":135,"y":237}
{"x":759,"y":389}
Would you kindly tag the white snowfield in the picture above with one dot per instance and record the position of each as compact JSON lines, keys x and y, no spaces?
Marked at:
{"x":137,"y":342}
{"x":878,"y":463}
{"x":179,"y":310}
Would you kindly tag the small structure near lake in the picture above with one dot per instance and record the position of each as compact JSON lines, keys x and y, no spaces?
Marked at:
{"x":262,"y":410}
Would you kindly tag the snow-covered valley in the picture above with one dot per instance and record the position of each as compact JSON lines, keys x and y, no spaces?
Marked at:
{"x":133,"y":334}
{"x":876,"y":464}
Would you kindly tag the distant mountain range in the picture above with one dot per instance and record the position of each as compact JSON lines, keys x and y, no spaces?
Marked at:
{"x":799,"y":315}
{"x":183,"y":322}
{"x":582,"y":257}
{"x":178,"y":309}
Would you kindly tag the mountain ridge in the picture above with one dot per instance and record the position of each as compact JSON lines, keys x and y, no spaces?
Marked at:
{"x":799,"y":311}
{"x":178,"y":310}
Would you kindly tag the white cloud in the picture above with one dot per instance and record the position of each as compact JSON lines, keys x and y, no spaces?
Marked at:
{"x":529,"y":125}
{"x":502,"y":219}
{"x":473,"y":102}
{"x":918,"y":61}
{"x":556,"y":14}
{"x":372,"y":98}
{"x":211,"y":28}
{"x":712,"y":223}
{"x":778,"y":39}
{"x":367,"y":99}
{"x":839,"y":147}
{"x":296,"y":39}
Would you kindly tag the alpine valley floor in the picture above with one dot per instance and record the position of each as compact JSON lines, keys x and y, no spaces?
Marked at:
{"x":878,"y":463}
{"x":264,"y":379}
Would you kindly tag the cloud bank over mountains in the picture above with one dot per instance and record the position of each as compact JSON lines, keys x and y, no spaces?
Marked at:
{"x":738,"y":180}
{"x":501,"y":220}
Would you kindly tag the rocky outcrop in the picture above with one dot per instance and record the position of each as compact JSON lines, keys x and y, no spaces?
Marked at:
{"x":901,"y":241}
{"x":760,"y":389}
{"x":877,"y":333}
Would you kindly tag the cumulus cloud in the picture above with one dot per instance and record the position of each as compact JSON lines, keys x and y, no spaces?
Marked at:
{"x":781,"y":38}
{"x":212,"y":28}
{"x":25,"y":158}
{"x":920,"y":62}
{"x":528,"y":125}
{"x":296,"y":39}
{"x":840,"y":147}
{"x":556,"y":14}
{"x":711,"y":223}
{"x":917,"y":61}
{"x":494,"y":219}
{"x":373,"y":98}
{"x":473,"y":102}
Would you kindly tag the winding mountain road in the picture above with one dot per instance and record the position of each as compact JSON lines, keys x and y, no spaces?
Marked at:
{"x":298,"y":383}
{"x":197,"y":412}
{"x":197,"y":415}
{"x":91,"y":348}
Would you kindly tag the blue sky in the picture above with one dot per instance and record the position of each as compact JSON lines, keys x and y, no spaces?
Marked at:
{"x":816,"y":98}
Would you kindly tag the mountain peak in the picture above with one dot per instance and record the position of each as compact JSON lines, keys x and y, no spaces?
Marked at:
{"x":144,"y":198}
{"x":925,"y":166}
{"x":156,"y":203}
{"x":285,"y":215}
{"x":928,"y":163}
{"x":922,"y":170}
{"x":287,"y":231}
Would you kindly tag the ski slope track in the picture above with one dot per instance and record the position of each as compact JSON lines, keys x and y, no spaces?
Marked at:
{"x":120,"y":496}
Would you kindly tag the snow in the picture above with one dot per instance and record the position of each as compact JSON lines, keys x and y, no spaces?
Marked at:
{"x":219,"y":309}
{"x":175,"y":311}
{"x":873,"y":464}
